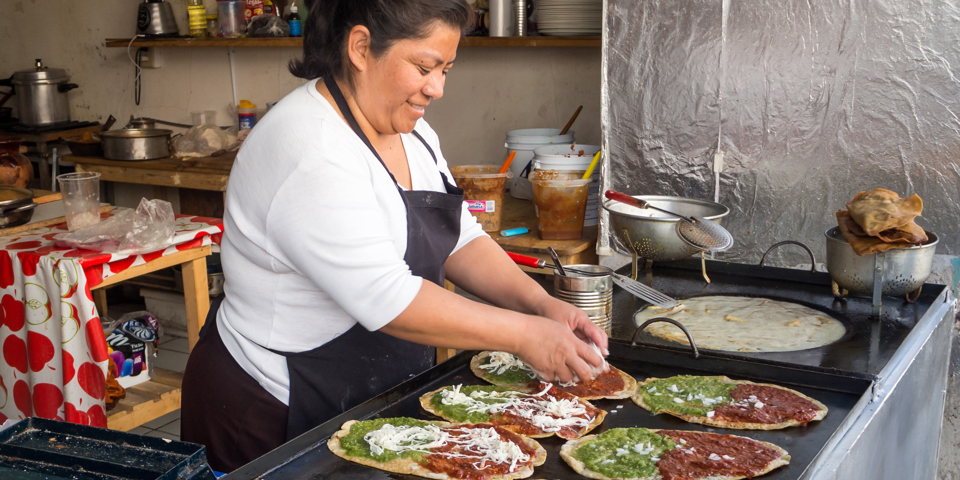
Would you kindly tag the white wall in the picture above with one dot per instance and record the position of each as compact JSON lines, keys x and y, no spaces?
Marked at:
{"x":490,"y":90}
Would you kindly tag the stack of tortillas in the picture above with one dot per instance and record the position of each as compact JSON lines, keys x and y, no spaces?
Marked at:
{"x":879,"y":220}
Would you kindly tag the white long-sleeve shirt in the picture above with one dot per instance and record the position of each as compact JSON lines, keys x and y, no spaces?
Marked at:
{"x":315,"y":234}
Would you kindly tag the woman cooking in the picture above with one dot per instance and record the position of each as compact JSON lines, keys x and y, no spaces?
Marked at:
{"x":342,"y":222}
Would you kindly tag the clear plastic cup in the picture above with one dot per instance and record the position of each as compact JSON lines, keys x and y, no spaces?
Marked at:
{"x":81,"y":198}
{"x":232,"y":17}
{"x":483,"y":190}
{"x":560,"y":198}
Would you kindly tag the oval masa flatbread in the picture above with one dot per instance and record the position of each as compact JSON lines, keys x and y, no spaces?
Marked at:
{"x":482,"y":358}
{"x":522,"y":425}
{"x":638,"y":398}
{"x":571,"y":446}
{"x":411,"y":467}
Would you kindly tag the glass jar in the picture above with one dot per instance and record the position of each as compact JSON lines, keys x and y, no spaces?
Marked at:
{"x":15,"y":168}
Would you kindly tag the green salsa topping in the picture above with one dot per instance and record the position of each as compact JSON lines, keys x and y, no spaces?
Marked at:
{"x":514,"y":375}
{"x":356,"y":446}
{"x":461,"y":413}
{"x":624,"y":452}
{"x":697,"y":395}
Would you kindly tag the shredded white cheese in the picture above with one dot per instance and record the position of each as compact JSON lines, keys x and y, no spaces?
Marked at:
{"x":710,"y":414}
{"x":500,"y":362}
{"x":542,"y":410}
{"x":484,"y":444}
{"x":727,"y":457}
{"x":714,"y":457}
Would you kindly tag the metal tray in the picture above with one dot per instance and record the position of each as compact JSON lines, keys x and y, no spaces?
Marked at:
{"x":38,"y":448}
{"x":308,"y":457}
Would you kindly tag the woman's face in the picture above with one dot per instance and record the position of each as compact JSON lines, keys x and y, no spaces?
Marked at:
{"x":394,"y":89}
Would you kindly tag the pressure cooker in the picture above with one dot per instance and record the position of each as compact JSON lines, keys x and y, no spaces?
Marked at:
{"x":42,"y":94}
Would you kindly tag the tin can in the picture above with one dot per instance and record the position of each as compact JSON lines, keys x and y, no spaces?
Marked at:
{"x":594,"y":294}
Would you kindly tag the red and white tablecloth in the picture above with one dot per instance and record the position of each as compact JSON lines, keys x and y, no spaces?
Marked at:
{"x":54,"y":355}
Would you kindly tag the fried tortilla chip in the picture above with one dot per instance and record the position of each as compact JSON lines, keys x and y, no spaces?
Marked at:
{"x":882,"y":209}
{"x":863,"y":244}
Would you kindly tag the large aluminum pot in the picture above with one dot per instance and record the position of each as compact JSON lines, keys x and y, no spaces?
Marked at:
{"x":42,"y":95}
{"x":653,"y":234}
{"x":904,"y":269}
{"x":16,"y":206}
{"x":136,"y":144}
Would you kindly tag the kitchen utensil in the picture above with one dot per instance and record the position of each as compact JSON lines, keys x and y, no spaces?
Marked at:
{"x":16,"y":206}
{"x":42,"y":95}
{"x":81,"y":198}
{"x":697,"y":232}
{"x":108,"y":123}
{"x":593,"y":165}
{"x":507,"y":162}
{"x":573,"y":118}
{"x":591,"y":293}
{"x":636,"y":288}
{"x":136,"y":144}
{"x":900,"y":271}
{"x":652,"y":235}
{"x":15,"y":168}
{"x":155,"y":18}
{"x":556,"y":260}
{"x":225,"y":150}
{"x":141,"y":123}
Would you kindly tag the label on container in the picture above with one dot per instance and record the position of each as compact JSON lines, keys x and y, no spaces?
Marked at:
{"x":247,"y":121}
{"x":295,"y":28}
{"x":481,"y":206}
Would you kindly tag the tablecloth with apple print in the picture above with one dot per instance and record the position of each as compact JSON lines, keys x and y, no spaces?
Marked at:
{"x":54,"y":354}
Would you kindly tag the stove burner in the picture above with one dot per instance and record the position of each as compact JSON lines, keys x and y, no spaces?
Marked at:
{"x":53,"y":127}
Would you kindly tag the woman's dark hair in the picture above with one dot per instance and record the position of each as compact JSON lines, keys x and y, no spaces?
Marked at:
{"x":329,"y":23}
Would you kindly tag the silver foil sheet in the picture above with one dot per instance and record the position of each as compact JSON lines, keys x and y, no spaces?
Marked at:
{"x":810,"y":102}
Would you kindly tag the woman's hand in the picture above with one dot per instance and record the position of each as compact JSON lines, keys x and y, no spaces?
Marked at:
{"x":575,"y":319}
{"x":552,"y":349}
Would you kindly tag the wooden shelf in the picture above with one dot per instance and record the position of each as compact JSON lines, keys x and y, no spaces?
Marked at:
{"x":149,"y":400}
{"x":537,"y":41}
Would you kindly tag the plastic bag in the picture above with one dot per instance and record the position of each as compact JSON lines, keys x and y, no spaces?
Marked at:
{"x":147,"y":229}
{"x":268,"y":26}
{"x":133,"y":343}
{"x":200,"y":141}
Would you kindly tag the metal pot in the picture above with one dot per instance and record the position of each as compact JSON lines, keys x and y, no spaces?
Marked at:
{"x":136,"y":144}
{"x":900,"y":270}
{"x":42,"y":95}
{"x":18,"y":207}
{"x":653,"y":234}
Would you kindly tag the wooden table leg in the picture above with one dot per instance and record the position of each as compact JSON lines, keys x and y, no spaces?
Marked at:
{"x":197,"y":297}
{"x":100,"y":300}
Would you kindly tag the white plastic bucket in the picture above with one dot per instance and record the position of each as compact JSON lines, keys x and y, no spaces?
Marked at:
{"x":524,"y":141}
{"x":573,"y":157}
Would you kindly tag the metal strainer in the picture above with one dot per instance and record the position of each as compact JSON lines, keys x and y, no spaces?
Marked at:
{"x":695,"y":231}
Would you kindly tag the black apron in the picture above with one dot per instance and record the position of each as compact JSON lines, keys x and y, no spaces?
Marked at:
{"x":359,"y":364}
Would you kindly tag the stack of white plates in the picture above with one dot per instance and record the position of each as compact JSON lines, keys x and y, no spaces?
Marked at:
{"x":569,"y":17}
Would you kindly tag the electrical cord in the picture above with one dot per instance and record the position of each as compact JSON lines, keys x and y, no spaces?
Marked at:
{"x":136,"y":65}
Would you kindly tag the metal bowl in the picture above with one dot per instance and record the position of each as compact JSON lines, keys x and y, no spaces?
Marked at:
{"x":904,"y":269}
{"x":17,"y":210}
{"x":653,"y":234}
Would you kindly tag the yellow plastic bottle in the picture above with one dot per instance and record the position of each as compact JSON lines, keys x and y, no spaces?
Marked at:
{"x":247,"y":112}
{"x":197,"y":15}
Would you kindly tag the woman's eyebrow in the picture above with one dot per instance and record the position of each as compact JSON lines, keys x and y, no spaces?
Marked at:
{"x":436,"y":58}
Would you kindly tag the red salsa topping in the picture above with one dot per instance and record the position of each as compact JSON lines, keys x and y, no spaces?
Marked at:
{"x":778,"y":406}
{"x":602,"y":385}
{"x":469,"y":467}
{"x":711,"y":454}
{"x":521,"y":425}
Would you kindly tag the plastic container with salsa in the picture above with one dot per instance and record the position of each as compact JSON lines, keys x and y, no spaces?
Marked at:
{"x":560,"y":198}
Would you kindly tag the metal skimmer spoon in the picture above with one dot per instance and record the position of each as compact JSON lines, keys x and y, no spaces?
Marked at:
{"x":697,"y":232}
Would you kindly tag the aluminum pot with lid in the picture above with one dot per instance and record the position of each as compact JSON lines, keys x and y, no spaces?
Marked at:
{"x":136,"y":144}
{"x":42,"y":95}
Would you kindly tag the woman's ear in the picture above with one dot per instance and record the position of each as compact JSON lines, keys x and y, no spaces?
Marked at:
{"x":358,"y":47}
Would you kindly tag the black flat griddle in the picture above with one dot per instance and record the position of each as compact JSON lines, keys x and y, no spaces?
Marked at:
{"x":38,"y":448}
{"x":869,"y":344}
{"x":307,"y":457}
